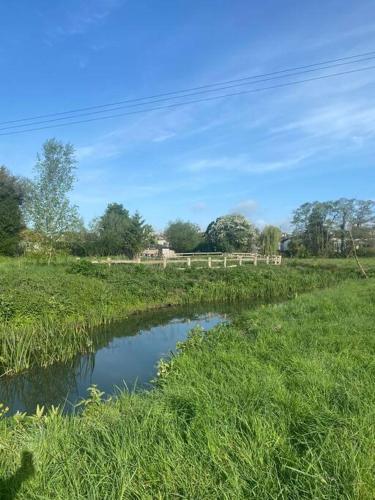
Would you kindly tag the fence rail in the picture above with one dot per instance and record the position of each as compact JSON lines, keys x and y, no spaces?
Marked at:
{"x":210,"y":259}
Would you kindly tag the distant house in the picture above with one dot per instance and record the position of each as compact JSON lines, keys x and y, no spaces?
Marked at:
{"x":284,"y":242}
{"x":167,"y":252}
{"x":161,"y":248}
{"x":359,"y":243}
{"x":362,"y":244}
{"x":161,"y":242}
{"x":150,"y":252}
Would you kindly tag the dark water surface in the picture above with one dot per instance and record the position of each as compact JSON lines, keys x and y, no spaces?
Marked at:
{"x":125,"y":354}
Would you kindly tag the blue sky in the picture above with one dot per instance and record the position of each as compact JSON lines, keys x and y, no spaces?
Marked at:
{"x":261,"y":154}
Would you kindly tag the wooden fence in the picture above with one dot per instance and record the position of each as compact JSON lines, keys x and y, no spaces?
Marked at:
{"x":212,"y":260}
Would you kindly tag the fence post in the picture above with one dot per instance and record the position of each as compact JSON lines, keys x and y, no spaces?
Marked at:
{"x":209,"y":262}
{"x":189,"y":262}
{"x":240,"y":261}
{"x":109,"y":261}
{"x":255,"y":260}
{"x":225,"y":262}
{"x":268,"y":259}
{"x":164,"y":262}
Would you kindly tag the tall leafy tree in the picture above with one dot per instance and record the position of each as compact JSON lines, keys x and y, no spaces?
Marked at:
{"x":320,"y":224}
{"x":270,"y":240}
{"x":356,"y":216}
{"x":121,"y":234}
{"x":11,"y":222}
{"x":231,"y":233}
{"x":113,"y":230}
{"x":183,"y":236}
{"x":48,"y":206}
{"x":140,"y":236}
{"x":344,"y":211}
{"x":364,"y":213}
{"x":314,"y":223}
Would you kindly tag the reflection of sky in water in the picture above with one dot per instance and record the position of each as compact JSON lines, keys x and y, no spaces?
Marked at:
{"x":127,"y":354}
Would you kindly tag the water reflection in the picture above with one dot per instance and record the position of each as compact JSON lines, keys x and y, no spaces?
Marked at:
{"x":125,"y":352}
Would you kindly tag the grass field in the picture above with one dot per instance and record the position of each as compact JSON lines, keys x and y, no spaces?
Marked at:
{"x":46,"y":312}
{"x":279,"y":404}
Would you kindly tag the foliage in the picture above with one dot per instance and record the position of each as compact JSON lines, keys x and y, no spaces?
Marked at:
{"x":3,"y":411}
{"x":32,"y":243}
{"x":80,"y":243}
{"x":47,"y":205}
{"x":183,"y":236}
{"x":47,"y":311}
{"x":358,"y":216}
{"x":11,"y":222}
{"x":314,"y":225}
{"x":270,"y":240}
{"x":140,"y":236}
{"x":85,"y":268}
{"x":278,"y":405}
{"x":296,"y":248}
{"x":323,"y":227}
{"x":119,"y":233}
{"x":231,"y":233}
{"x":366,"y":251}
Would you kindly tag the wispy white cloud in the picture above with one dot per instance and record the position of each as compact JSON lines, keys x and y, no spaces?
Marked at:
{"x":164,"y":135}
{"x":337,"y":121}
{"x":243,"y":164}
{"x":92,"y":175}
{"x":89,"y":199}
{"x":199,"y":206}
{"x":85,"y":16}
{"x":99,"y":150}
{"x":245,"y":207}
{"x":154,"y":127}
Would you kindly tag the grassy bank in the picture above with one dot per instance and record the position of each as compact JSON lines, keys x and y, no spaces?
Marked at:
{"x":278,"y":405}
{"x":46,"y":312}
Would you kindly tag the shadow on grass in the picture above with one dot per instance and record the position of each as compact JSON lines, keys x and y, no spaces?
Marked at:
{"x":9,"y":487}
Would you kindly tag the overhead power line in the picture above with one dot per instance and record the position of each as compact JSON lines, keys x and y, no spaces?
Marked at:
{"x":182,"y":96}
{"x":253,"y":79}
{"x":193,"y":101}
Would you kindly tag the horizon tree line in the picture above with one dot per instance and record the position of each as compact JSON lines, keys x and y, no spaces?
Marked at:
{"x":37,"y":214}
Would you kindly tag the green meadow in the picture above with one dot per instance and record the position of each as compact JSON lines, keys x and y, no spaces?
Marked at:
{"x":277,"y":404}
{"x":47,"y":311}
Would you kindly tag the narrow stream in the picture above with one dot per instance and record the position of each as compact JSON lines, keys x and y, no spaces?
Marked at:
{"x":125,"y":354}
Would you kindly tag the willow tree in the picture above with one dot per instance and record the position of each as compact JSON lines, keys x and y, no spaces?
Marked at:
{"x":48,"y":206}
{"x":270,"y":240}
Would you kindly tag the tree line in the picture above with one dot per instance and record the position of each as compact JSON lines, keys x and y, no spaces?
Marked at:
{"x":37,"y":216}
{"x":333,"y":228}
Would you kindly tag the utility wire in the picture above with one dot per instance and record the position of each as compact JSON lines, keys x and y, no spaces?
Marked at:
{"x":193,"y":101}
{"x":351,"y":60}
{"x":138,"y":104}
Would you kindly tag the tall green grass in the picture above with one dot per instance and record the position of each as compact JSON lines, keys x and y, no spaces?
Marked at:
{"x":278,"y":405}
{"x":47,"y":312}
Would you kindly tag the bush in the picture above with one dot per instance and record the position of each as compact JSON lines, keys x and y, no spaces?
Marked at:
{"x":366,"y":252}
{"x":6,"y":309}
{"x":86,"y":268}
